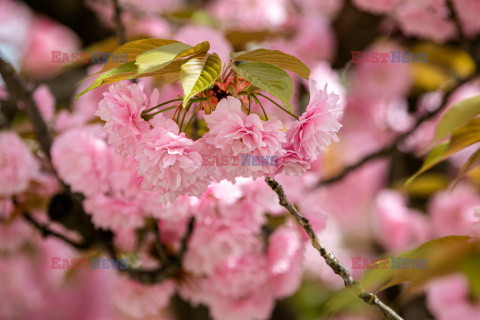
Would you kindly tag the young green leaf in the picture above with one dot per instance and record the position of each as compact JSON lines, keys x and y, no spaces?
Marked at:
{"x":135,"y":48}
{"x":462,"y":138}
{"x":432,"y":259}
{"x":198,"y":73}
{"x":269,"y":78}
{"x":472,"y":162}
{"x":119,"y":73}
{"x":470,"y":268}
{"x":275,"y":57}
{"x":160,"y":57}
{"x":157,"y":58}
{"x":457,"y":115}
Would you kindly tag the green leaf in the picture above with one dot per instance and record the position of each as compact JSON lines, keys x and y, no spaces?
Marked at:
{"x":199,"y":73}
{"x":160,"y":57}
{"x":457,"y":115}
{"x":134,"y":49}
{"x":472,"y":162}
{"x":269,"y":78}
{"x":435,"y":156}
{"x":274,"y":57}
{"x":470,"y":267}
{"x":435,"y":258}
{"x":427,"y":184}
{"x":157,"y":58}
{"x":202,"y":47}
{"x":119,"y":73}
{"x":462,"y":138}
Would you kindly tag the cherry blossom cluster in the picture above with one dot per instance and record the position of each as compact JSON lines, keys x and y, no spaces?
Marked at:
{"x":172,"y":164}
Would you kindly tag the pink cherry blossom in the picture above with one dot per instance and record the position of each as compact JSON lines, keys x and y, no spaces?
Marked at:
{"x":47,"y":36}
{"x":234,"y":132}
{"x":456,"y":212}
{"x":377,"y":6}
{"x":468,"y":12}
{"x":140,"y":301}
{"x":317,"y":127}
{"x":215,"y":240}
{"x":449,"y":298}
{"x":121,"y":109}
{"x":114,"y":212}
{"x":285,"y":259}
{"x":82,"y":159}
{"x":240,"y":289}
{"x":45,"y":101}
{"x":399,"y":226}
{"x":386,"y":80}
{"x":255,"y":14}
{"x":218,"y":43}
{"x":17,"y":164}
{"x":426,"y":19}
{"x":170,"y":162}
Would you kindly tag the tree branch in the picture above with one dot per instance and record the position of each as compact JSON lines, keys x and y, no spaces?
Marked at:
{"x":328,"y":255}
{"x":120,"y":30}
{"x":19,"y":89}
{"x":168,"y":270}
{"x":161,"y":249}
{"x":46,"y":231}
{"x":388,"y":150}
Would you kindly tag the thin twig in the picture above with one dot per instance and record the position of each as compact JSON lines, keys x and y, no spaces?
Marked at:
{"x":278,"y":105}
{"x":46,"y":231}
{"x":120,"y":28}
{"x":18,"y":88}
{"x":3,"y":121}
{"x":166,"y":271}
{"x":329,"y":257}
{"x":161,"y":249}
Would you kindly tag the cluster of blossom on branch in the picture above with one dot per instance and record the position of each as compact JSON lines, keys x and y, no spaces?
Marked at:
{"x":145,"y":156}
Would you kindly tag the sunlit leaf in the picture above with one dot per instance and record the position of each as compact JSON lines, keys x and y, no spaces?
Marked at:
{"x":458,"y":115}
{"x":445,"y":65}
{"x":199,"y":73}
{"x":160,"y":57}
{"x":462,"y":137}
{"x":157,"y":58}
{"x":269,"y":78}
{"x":472,"y":162}
{"x":435,"y":156}
{"x":135,"y":48}
{"x":470,"y":267}
{"x":432,"y":259}
{"x":121,"y":72}
{"x":427,"y":184}
{"x":275,"y":57}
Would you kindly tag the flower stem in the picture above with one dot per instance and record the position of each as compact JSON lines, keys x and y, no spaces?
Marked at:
{"x":278,"y":105}
{"x":160,"y":105}
{"x":258,"y":101}
{"x":149,"y":116}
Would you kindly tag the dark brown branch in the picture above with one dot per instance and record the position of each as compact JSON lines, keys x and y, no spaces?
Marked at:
{"x":329,"y":257}
{"x":120,"y":28}
{"x":46,"y":231}
{"x":18,"y":88}
{"x":168,"y":270}
{"x":161,"y":249}
{"x":3,"y":121}
{"x":387,"y":151}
